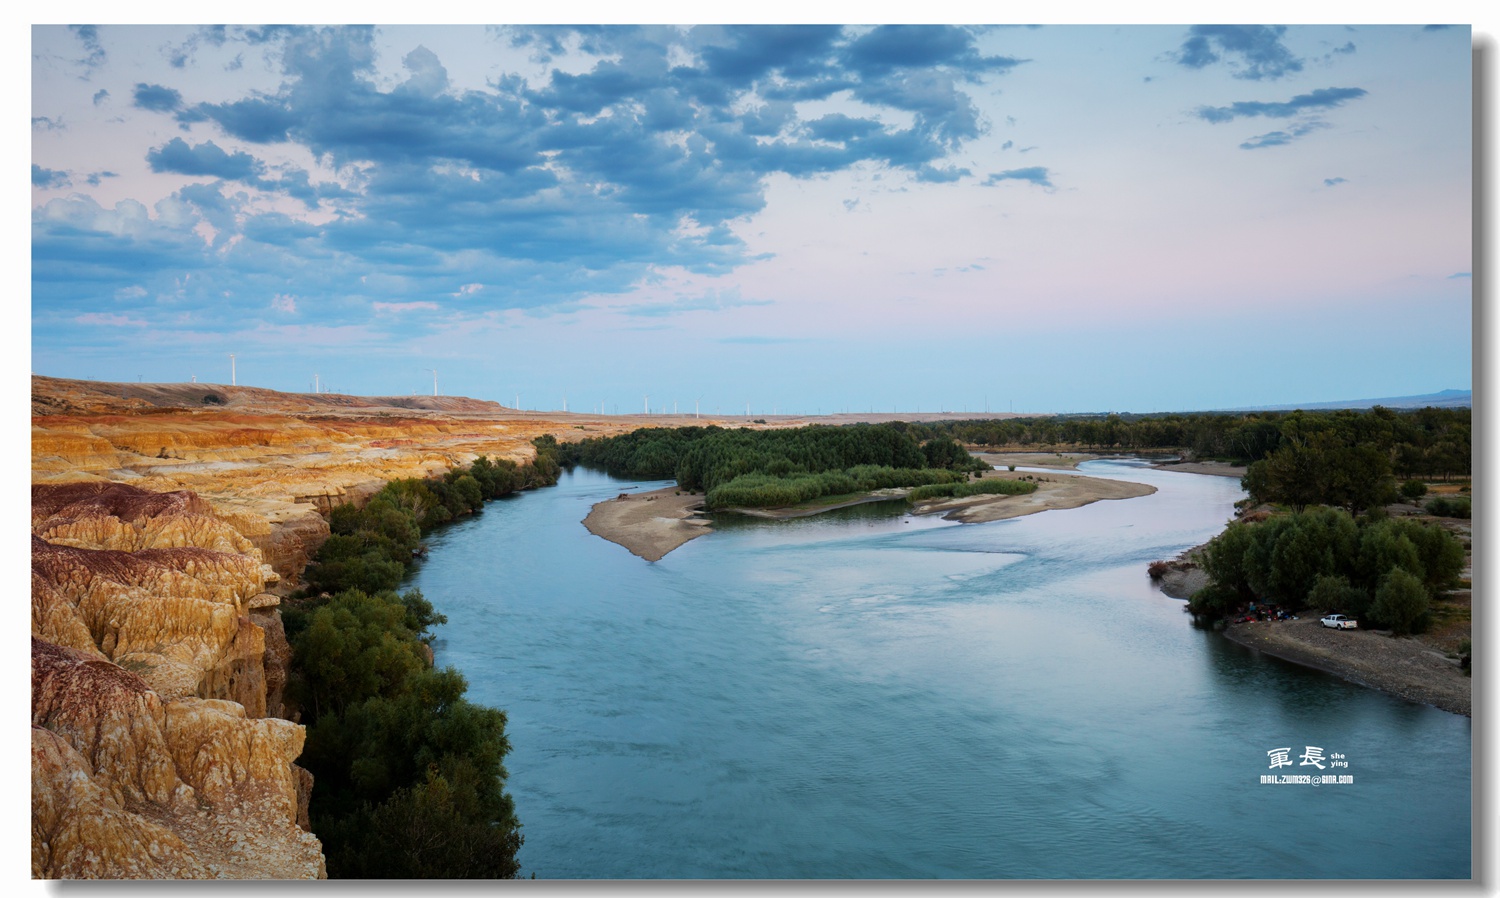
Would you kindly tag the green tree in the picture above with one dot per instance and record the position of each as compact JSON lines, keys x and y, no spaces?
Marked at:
{"x":355,"y":646}
{"x":1335,"y":594}
{"x":1400,"y":603}
{"x":1413,"y":489}
{"x":440,"y":828}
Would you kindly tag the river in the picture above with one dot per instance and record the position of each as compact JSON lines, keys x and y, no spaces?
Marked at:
{"x":867,"y":694}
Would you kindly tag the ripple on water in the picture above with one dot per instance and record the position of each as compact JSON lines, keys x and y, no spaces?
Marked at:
{"x":869,"y":695}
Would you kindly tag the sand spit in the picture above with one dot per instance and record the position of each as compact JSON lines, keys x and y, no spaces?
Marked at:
{"x":1064,"y":460}
{"x":1217,"y":468}
{"x":652,"y":524}
{"x":648,"y":524}
{"x":1055,"y":492}
{"x":809,"y":509}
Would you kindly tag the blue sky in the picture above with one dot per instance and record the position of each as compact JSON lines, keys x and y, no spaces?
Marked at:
{"x":803,"y":218}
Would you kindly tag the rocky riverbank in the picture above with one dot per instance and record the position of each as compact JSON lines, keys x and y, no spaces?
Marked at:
{"x":1413,"y":668}
{"x":1404,"y":667}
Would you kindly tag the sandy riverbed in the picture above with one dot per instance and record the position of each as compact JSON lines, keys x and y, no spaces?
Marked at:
{"x":1056,"y":491}
{"x":652,"y":524}
{"x":648,"y":524}
{"x":1217,"y":468}
{"x":1065,"y":460}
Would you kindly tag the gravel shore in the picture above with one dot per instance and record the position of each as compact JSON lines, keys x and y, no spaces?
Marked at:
{"x":1406,"y":668}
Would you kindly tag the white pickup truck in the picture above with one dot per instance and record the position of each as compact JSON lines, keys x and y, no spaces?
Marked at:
{"x":1340,"y":622}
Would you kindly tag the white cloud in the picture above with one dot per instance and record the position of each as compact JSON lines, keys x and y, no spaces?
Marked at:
{"x":105,"y":319}
{"x":383,"y":308}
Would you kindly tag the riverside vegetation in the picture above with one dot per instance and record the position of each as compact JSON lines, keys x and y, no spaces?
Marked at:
{"x":1323,"y":537}
{"x":743,"y":468}
{"x":410,"y":781}
{"x":1428,"y":443}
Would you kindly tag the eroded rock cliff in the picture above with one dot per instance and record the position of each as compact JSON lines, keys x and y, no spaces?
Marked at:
{"x":165,"y":517}
{"x":152,"y":752}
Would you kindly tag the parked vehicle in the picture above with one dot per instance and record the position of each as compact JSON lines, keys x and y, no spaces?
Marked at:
{"x":1340,"y":622}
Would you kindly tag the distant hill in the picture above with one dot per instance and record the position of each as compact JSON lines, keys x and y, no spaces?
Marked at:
{"x":56,"y":395}
{"x":1443,"y":399}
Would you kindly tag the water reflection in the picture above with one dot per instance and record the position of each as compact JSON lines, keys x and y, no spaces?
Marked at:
{"x":866,"y":694}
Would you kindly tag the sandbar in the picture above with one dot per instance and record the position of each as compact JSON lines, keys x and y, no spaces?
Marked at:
{"x":1056,"y":491}
{"x":1216,"y":468}
{"x":652,"y":524}
{"x":1066,"y":460}
{"x":648,"y":524}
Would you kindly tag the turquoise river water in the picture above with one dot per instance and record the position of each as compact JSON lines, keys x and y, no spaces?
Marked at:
{"x":867,"y":694}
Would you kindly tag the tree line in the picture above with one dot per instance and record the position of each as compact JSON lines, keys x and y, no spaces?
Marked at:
{"x":1428,"y":443}
{"x":1384,"y":571}
{"x":768,"y":468}
{"x":409,"y":780}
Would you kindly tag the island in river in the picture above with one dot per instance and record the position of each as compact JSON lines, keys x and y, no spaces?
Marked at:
{"x":654,"y":523}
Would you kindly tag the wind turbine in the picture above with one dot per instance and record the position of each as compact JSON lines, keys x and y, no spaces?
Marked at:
{"x":434,"y":379}
{"x":232,"y":381}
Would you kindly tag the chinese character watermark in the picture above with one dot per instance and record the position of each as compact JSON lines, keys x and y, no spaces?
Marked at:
{"x":1312,"y":756}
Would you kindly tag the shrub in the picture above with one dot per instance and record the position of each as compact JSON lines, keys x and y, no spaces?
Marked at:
{"x":1445,"y":507}
{"x":1400,"y":603}
{"x":1334,"y":593}
{"x":1413,"y":489}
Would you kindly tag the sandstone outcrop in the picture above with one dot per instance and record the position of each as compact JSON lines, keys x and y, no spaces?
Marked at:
{"x":152,"y":752}
{"x":127,"y":785}
{"x":165,"y":519}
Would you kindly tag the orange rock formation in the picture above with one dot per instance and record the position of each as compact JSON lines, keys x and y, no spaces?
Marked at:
{"x":165,"y":517}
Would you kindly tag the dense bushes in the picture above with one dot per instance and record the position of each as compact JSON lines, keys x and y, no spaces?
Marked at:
{"x":1449,"y":507}
{"x":973,"y":488}
{"x":1425,"y":443}
{"x":768,"y":491}
{"x":765,"y":468}
{"x":1322,"y":557}
{"x":409,"y":774}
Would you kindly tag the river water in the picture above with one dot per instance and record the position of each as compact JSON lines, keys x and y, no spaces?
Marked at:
{"x":867,"y":694}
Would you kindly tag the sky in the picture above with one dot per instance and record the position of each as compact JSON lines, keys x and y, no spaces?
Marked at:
{"x":798,"y":219}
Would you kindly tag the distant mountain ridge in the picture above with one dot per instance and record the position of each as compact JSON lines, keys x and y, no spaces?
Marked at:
{"x":1441,"y":399}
